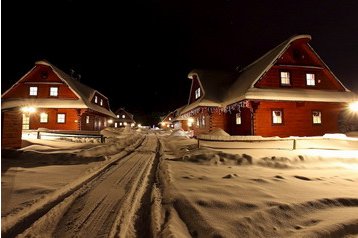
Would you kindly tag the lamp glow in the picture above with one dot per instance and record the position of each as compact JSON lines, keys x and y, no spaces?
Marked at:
{"x":110,"y":121}
{"x":28,"y":109}
{"x":353,"y":106}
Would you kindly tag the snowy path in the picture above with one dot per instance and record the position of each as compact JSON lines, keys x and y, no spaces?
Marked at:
{"x":107,"y":205}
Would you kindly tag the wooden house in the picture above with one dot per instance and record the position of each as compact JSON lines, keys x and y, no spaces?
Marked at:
{"x":123,"y":118}
{"x":47,"y":97}
{"x":289,"y":91}
{"x":168,"y":121}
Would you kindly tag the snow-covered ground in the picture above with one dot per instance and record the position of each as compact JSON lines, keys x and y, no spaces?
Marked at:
{"x":221,"y":191}
{"x":258,"y":192}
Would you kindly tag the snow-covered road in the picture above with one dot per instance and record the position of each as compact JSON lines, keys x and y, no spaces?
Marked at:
{"x":107,"y":205}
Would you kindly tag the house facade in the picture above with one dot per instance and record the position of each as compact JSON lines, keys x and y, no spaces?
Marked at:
{"x":168,"y":121}
{"x":289,"y":91}
{"x":123,"y":118}
{"x":47,"y":97}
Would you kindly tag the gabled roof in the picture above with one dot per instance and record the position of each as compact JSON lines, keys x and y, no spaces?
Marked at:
{"x":123,"y":111}
{"x":83,"y":92}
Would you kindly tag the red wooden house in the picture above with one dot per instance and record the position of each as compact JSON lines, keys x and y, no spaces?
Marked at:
{"x":47,"y":97}
{"x":289,"y":91}
{"x":168,"y":121}
{"x":123,"y":118}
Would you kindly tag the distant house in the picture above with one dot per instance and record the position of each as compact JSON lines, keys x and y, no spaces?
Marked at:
{"x":289,"y":91}
{"x":123,"y":118}
{"x":167,"y":121}
{"x":47,"y":97}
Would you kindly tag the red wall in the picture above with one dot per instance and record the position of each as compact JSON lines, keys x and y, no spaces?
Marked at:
{"x":11,"y":129}
{"x":195,"y":85}
{"x":21,"y":90}
{"x":294,"y":60}
{"x":71,"y":123}
{"x":245,"y":127}
{"x":297,"y":118}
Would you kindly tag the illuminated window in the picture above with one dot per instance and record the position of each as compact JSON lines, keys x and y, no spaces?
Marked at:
{"x":116,"y":124}
{"x":61,"y":118}
{"x":87,"y":119}
{"x":310,"y":80}
{"x":317,"y":117}
{"x":105,"y":122}
{"x":53,"y":91}
{"x":198,"y":122}
{"x":25,"y":122}
{"x":197,"y":93}
{"x":43,"y":117}
{"x":101,"y":102}
{"x":285,"y":78}
{"x":33,"y":91}
{"x":117,"y":116}
{"x":203,"y":121}
{"x":95,"y":99}
{"x":123,"y":116}
{"x":277,"y":116}
{"x":238,"y":118}
{"x":170,"y":118}
{"x":120,"y":123}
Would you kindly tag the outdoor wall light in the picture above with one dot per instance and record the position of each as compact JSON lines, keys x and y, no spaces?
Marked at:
{"x":28,"y":109}
{"x":353,"y":106}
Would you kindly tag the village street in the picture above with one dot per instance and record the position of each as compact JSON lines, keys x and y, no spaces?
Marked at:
{"x":107,"y":204}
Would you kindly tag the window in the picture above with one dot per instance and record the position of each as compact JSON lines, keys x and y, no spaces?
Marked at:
{"x":101,"y":102}
{"x":116,"y":124}
{"x":25,"y":122}
{"x":87,"y":119}
{"x":238,"y":118}
{"x":123,"y":116}
{"x":198,"y":122}
{"x":317,"y":117}
{"x":117,"y":116}
{"x":120,"y":123}
{"x":170,"y":118}
{"x":197,"y":93}
{"x":43,"y":117}
{"x":203,"y":121}
{"x":61,"y":118}
{"x":33,"y":91}
{"x":53,"y":91}
{"x":95,"y":99}
{"x":105,"y":122}
{"x":285,"y":78}
{"x":277,"y":116}
{"x":310,"y":80}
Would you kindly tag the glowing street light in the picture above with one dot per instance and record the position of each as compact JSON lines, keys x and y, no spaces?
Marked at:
{"x":353,"y":106}
{"x":110,"y":121}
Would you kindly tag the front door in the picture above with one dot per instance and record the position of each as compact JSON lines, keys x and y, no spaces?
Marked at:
{"x":25,"y":121}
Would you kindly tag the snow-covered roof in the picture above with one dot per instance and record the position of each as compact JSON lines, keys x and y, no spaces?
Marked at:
{"x":222,"y":89}
{"x":123,"y":111}
{"x":83,"y":92}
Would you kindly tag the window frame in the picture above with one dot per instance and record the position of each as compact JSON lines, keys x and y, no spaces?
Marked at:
{"x":236,"y":118}
{"x":95,"y":99}
{"x":101,"y":102}
{"x":41,"y":114}
{"x":87,"y":119}
{"x":64,"y":118}
{"x":197,"y":93}
{"x":30,"y":91}
{"x":272,"y":117}
{"x":289,"y":78}
{"x":56,"y":91}
{"x":320,"y":117}
{"x":314,"y":79}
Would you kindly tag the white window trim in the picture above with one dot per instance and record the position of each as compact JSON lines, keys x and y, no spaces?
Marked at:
{"x":61,"y":120}
{"x":277,"y":119}
{"x":317,"y":119}
{"x":33,"y":91}
{"x":43,"y":116}
{"x":285,"y":78}
{"x":95,"y":99}
{"x":101,"y":102}
{"x":310,"y":79}
{"x":87,"y":119}
{"x":238,"y":118}
{"x":197,"y":93}
{"x":52,"y":92}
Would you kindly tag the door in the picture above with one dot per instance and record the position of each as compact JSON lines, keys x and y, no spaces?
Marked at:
{"x":25,"y":121}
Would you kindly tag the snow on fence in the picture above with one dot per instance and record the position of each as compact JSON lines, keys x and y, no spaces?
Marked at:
{"x":70,"y":134}
{"x":328,"y":141}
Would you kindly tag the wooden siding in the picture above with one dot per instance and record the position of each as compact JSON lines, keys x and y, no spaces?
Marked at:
{"x":71,"y":121}
{"x":245,"y":127}
{"x":298,"y":60}
{"x":11,"y":129}
{"x":34,"y":78}
{"x":297,"y":118}
{"x":99,"y":97}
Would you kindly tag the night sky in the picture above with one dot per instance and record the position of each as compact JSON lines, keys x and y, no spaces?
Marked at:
{"x":138,"y":52}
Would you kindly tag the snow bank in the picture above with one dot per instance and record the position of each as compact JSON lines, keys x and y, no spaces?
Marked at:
{"x":218,"y":132}
{"x":178,"y":132}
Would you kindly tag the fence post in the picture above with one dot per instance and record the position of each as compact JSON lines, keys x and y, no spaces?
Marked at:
{"x":102,"y":139}
{"x":38,"y":135}
{"x":198,"y":142}
{"x":294,"y":144}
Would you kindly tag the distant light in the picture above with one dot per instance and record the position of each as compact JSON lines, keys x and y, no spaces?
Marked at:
{"x":168,"y":125}
{"x":132,"y":125}
{"x":170,"y":118}
{"x":353,"y":106}
{"x":28,"y":109}
{"x":110,"y":121}
{"x":139,"y":125}
{"x":125,"y":123}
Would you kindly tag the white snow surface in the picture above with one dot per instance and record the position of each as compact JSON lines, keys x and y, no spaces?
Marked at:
{"x":211,"y":191}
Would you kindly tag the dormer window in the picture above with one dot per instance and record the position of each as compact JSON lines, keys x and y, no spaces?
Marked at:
{"x":170,"y":118}
{"x":285,"y":78}
{"x":197,"y":93}
{"x":117,"y":116}
{"x":53,"y":91}
{"x":95,"y":99}
{"x":310,"y":80}
{"x":33,"y":91}
{"x":123,"y":116}
{"x":101,"y":102}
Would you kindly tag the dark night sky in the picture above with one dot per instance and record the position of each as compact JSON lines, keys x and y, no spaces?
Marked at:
{"x":139,"y":52}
